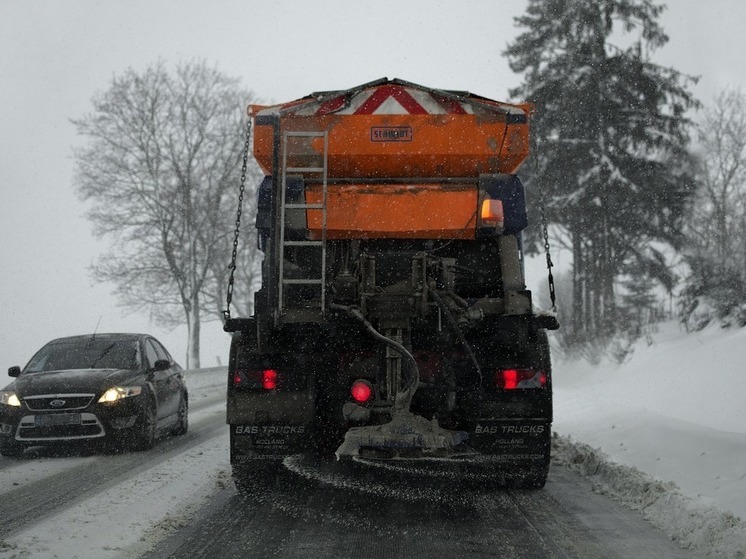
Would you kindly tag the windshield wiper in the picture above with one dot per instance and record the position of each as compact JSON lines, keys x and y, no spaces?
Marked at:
{"x":100,"y":357}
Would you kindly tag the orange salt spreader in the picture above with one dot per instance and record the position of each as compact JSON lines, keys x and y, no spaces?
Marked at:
{"x":402,"y":160}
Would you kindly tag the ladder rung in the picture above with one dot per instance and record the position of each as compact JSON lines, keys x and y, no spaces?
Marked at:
{"x":303,"y":243}
{"x":302,"y":281}
{"x":304,"y":206}
{"x":305,"y":169}
{"x":308,"y":134}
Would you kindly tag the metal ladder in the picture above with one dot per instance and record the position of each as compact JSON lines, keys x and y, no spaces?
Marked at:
{"x":283,"y":315}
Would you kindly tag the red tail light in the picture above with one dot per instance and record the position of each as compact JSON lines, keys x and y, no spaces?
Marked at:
{"x":238,"y":378}
{"x":361,"y":391}
{"x":265,"y":379}
{"x":269,"y":379}
{"x":512,"y":379}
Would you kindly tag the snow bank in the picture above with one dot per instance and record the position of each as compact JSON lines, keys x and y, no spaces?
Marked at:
{"x":675,"y":411}
{"x":706,"y":531}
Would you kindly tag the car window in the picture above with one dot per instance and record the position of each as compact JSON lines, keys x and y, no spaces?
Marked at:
{"x":150,"y":354}
{"x":161,"y":351}
{"x":91,"y":353}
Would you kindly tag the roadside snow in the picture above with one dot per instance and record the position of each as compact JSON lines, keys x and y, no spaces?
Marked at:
{"x":148,"y":507}
{"x":675,"y":410}
{"x":127,"y":519}
{"x":204,"y":383}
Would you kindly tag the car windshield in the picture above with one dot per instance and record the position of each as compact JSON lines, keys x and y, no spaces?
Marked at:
{"x":91,"y":353}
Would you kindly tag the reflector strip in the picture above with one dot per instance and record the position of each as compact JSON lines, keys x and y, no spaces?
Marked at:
{"x":401,"y":95}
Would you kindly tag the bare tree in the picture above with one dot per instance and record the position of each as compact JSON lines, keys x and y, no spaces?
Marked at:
{"x":161,"y":168}
{"x":716,"y":230}
{"x":720,"y":210}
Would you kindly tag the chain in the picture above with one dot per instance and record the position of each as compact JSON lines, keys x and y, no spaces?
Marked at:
{"x":241,"y":190}
{"x":544,"y":228}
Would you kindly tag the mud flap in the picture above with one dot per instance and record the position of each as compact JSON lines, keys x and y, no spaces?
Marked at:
{"x":512,"y":442}
{"x":270,"y":441}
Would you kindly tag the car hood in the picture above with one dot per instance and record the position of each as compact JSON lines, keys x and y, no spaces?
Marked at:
{"x":78,"y":381}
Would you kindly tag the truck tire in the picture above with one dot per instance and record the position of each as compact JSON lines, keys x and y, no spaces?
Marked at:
{"x":535,"y":478}
{"x":533,"y":474}
{"x":253,"y":477}
{"x":539,"y":356}
{"x":258,"y":477}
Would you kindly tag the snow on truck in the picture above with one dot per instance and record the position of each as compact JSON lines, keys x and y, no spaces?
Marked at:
{"x":393,"y":321}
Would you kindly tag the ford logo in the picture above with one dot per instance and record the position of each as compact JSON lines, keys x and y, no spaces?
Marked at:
{"x":57,"y":403}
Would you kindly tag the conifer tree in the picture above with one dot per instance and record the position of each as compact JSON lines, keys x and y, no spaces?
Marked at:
{"x":611,"y":131}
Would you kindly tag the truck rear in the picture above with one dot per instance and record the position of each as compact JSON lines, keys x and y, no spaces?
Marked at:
{"x":393,"y":321}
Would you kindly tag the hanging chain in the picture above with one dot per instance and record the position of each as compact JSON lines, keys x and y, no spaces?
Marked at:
{"x":242,"y":188}
{"x":552,"y":295}
{"x":544,"y":227}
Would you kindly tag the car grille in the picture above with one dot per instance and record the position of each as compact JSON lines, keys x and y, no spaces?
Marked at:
{"x":86,"y":426}
{"x":58,"y":402}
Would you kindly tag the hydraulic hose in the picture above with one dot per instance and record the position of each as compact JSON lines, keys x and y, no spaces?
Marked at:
{"x":457,"y":330}
{"x":404,"y":398}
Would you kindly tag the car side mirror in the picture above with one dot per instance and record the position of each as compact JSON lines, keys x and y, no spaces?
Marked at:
{"x":162,"y":365}
{"x":14,"y":371}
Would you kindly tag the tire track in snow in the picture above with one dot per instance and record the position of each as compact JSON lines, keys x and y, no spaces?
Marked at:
{"x":50,"y":495}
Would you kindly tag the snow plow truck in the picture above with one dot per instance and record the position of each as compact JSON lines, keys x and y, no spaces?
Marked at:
{"x":393,"y":321}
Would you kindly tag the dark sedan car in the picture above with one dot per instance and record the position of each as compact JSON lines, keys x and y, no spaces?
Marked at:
{"x":124,"y":389}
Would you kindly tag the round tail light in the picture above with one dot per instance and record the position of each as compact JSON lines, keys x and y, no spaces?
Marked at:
{"x":361,"y":391}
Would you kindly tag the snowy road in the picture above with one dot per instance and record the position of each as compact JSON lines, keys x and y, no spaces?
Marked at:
{"x":178,"y":501}
{"x":87,"y":476}
{"x":317,"y":511}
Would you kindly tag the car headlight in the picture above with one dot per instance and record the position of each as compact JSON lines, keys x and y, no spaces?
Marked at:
{"x":116,"y":393}
{"x":10,"y":398}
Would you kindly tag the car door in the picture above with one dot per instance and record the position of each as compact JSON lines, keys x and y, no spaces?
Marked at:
{"x":162,"y":382}
{"x":175,"y":381}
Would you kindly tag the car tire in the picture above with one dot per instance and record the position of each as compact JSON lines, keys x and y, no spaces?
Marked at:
{"x":145,"y":433}
{"x":11,"y":449}
{"x":182,"y":423}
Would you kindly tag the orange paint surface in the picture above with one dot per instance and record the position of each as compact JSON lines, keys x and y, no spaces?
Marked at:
{"x":422,"y":211}
{"x":401,"y":145}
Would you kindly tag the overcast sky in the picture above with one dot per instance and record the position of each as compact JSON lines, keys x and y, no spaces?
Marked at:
{"x":55,"y":54}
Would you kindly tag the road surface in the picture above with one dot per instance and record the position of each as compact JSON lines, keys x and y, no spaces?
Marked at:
{"x":312,"y":508}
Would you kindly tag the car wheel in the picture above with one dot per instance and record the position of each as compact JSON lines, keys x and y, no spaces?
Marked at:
{"x":11,"y":449}
{"x":145,"y":434}
{"x":182,"y":423}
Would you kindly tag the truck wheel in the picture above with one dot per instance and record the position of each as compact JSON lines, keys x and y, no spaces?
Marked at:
{"x":257,"y":478}
{"x":535,"y":478}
